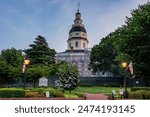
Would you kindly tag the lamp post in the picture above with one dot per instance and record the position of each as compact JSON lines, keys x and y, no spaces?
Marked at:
{"x":24,"y":69}
{"x":124,"y":65}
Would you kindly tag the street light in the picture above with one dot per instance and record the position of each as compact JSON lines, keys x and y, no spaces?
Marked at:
{"x":24,"y":69}
{"x":26,"y":62}
{"x":124,"y":65}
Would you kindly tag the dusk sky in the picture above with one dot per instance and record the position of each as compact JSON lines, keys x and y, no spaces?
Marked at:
{"x":21,"y":21}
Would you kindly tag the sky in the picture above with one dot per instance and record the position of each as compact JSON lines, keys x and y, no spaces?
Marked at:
{"x":21,"y":21}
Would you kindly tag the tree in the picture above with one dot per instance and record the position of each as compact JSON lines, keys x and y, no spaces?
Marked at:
{"x":34,"y":72}
{"x":134,"y":41}
{"x":130,"y":42}
{"x":68,"y":76}
{"x":42,"y":59}
{"x":12,"y":57}
{"x":10,"y":65}
{"x":4,"y":75}
{"x":40,"y":53}
{"x":103,"y":55}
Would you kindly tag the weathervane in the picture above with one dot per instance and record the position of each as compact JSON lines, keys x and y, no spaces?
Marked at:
{"x":78,"y":6}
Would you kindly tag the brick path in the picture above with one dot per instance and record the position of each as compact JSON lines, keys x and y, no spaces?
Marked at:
{"x":90,"y":96}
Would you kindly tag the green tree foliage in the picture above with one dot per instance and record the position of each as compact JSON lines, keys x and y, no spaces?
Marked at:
{"x":133,"y":42}
{"x":4,"y":73}
{"x":103,"y":55}
{"x":12,"y":57}
{"x":130,"y":42}
{"x":42,"y":60}
{"x":40,"y":53}
{"x":35,"y":72}
{"x":10,"y":65}
{"x":68,"y":76}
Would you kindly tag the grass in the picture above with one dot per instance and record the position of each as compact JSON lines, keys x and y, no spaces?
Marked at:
{"x":96,"y":89}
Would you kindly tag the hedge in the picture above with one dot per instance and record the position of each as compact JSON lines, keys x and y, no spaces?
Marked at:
{"x":142,"y":92}
{"x":135,"y":95}
{"x":54,"y":92}
{"x":33,"y":94}
{"x":12,"y":93}
{"x":140,"y":88}
{"x":147,"y":95}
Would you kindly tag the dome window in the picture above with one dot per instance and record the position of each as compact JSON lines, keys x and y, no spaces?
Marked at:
{"x":83,"y":45}
{"x":70,"y":45}
{"x":76,"y":44}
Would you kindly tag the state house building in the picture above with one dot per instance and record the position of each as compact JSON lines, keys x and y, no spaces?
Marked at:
{"x":77,"y":52}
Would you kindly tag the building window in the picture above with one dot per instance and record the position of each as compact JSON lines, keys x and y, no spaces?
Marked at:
{"x":83,"y":34}
{"x":76,"y":44}
{"x":83,"y":45}
{"x":77,"y":33}
{"x":70,"y":45}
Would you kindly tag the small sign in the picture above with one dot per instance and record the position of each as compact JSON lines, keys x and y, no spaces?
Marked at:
{"x":47,"y":94}
{"x":114,"y":92}
{"x":43,"y":81}
{"x":121,"y":91}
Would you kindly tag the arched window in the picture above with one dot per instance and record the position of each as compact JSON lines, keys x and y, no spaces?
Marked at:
{"x":84,"y":45}
{"x":70,"y":45}
{"x":76,"y":44}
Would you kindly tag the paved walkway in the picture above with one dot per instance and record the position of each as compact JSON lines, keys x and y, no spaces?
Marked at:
{"x":90,"y":96}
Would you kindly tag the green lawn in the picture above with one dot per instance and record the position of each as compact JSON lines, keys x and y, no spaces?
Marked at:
{"x":96,"y":89}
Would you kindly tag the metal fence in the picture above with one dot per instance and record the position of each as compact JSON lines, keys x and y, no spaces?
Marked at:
{"x":86,"y":81}
{"x":102,"y":81}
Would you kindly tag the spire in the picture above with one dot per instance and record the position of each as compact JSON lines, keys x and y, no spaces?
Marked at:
{"x":78,"y":19}
{"x":78,"y":6}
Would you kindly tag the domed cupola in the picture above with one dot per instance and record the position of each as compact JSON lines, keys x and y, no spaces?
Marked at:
{"x":77,"y":34}
{"x":77,"y":29}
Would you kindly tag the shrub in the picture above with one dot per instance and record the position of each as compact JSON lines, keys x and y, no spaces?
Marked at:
{"x":39,"y":90}
{"x":147,"y":95}
{"x":54,"y":92}
{"x":12,"y":93}
{"x":142,"y":92}
{"x":33,"y":94}
{"x":68,"y":76}
{"x":59,"y":94}
{"x":135,"y":95}
{"x":140,"y":88}
{"x":71,"y":96}
{"x":78,"y":94}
